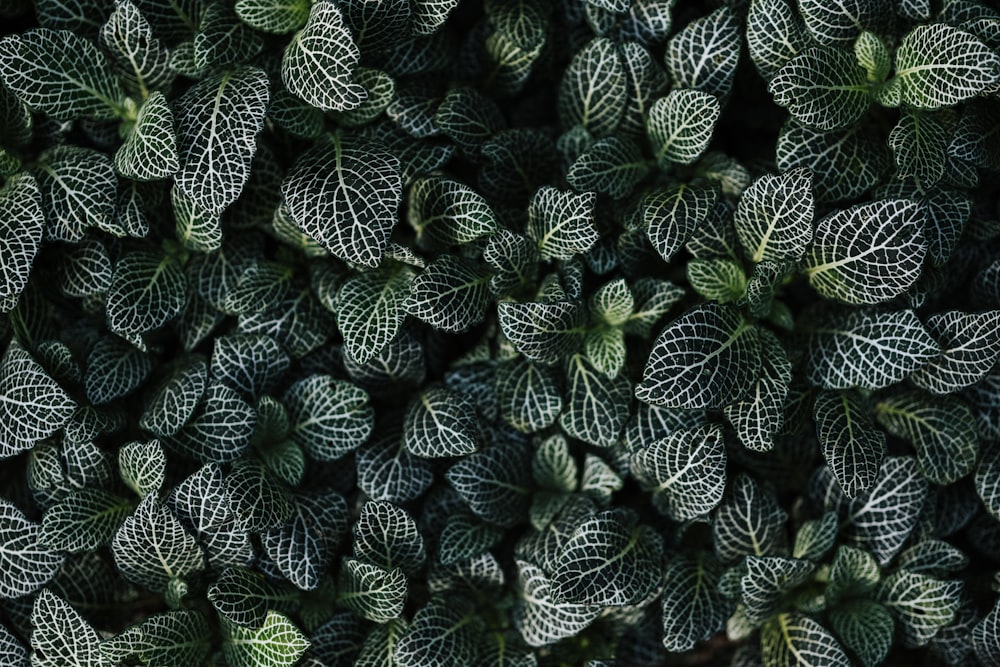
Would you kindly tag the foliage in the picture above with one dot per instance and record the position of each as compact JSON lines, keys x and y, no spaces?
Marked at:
{"x":433,"y":333}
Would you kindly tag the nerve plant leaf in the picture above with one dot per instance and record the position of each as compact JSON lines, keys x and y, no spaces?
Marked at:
{"x":27,"y":565}
{"x":823,"y":87}
{"x":150,"y":149}
{"x":152,"y":546}
{"x":302,"y":549}
{"x":175,"y":637}
{"x":83,"y":520}
{"x":717,"y":33}
{"x":139,"y":57}
{"x":61,"y":636}
{"x":970,"y":346}
{"x":21,"y":225}
{"x":278,"y":642}
{"x":61,"y":74}
{"x":32,"y":405}
{"x":922,"y":604}
{"x":693,"y":608}
{"x":592,"y":92}
{"x":792,"y":639}
{"x":328,"y":417}
{"x":441,"y":423}
{"x":451,"y":294}
{"x":542,"y":332}
{"x":79,"y":190}
{"x":852,"y":446}
{"x":385,"y":534}
{"x":562,"y":223}
{"x":707,"y":358}
{"x":539,"y":616}
{"x":147,"y":290}
{"x":749,"y":522}
{"x":680,"y":126}
{"x":596,"y":407}
{"x":774,"y":217}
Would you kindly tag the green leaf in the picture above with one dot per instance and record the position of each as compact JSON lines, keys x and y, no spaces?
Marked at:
{"x":718,"y":34}
{"x":680,"y":126}
{"x":922,"y":605}
{"x":720,"y":280}
{"x":673,"y":214}
{"x":385,"y":534}
{"x":986,"y":637}
{"x":854,"y":573}
{"x":241,"y":596}
{"x":866,"y":628}
{"x":147,"y":290}
{"x":542,"y":332}
{"x":529,"y":395}
{"x":444,"y":212}
{"x":387,"y":471}
{"x":438,"y":635}
{"x":942,"y":430}
{"x":934,"y":557}
{"x":868,"y":253}
{"x":795,"y":639}
{"x":938,"y":65}
{"x":78,"y":188}
{"x":142,"y":466}
{"x":83,"y":520}
{"x":775,"y":34}
{"x":774,"y":216}
{"x":653,"y":298}
{"x":609,"y":560}
{"x":114,"y":369}
{"x":32,"y":405}
{"x":760,"y":415}
{"x":173,"y":402}
{"x":219,"y":431}
{"x":328,"y":417}
{"x":469,"y":118}
{"x":319,"y":62}
{"x":839,"y":23}
{"x":767,"y":581}
{"x":273,"y":16}
{"x":815,"y":537}
{"x":371,"y":591}
{"x":261,"y":502}
{"x":12,"y":650}
{"x":748,"y":522}
{"x":561,"y":223}
{"x":441,"y":423}
{"x":26,"y":564}
{"x":61,"y":636}
{"x":223,"y":40}
{"x":150,"y":148}
{"x":987,"y":481}
{"x":250,"y":363}
{"x":495,"y":483}
{"x":345,"y":197}
{"x":60,"y":74}
{"x":852,"y":446}
{"x":466,"y":536}
{"x":597,"y":407}
{"x":868,"y":349}
{"x":970,"y":346}
{"x":611,"y":166}
{"x":707,"y":358}
{"x":592,"y":91}
{"x":685,"y":472}
{"x":692,"y":607}
{"x":21,"y":225}
{"x":303,"y":548}
{"x":539,"y":617}
{"x":871,"y":53}
{"x":451,"y":294}
{"x":140,"y":59}
{"x":181,"y":637}
{"x":277,"y":643}
{"x":370,"y":310}
{"x":151,"y":547}
{"x":919,"y":142}
{"x":204,"y":503}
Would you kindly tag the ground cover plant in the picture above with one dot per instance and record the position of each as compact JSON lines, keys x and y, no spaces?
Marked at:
{"x":434,"y":333}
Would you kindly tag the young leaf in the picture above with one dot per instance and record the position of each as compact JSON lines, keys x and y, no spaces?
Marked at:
{"x":149,"y":151}
{"x":597,"y":407}
{"x":143,"y":466}
{"x":766,"y":581}
{"x":26,"y":564}
{"x":277,"y":643}
{"x":60,"y":74}
{"x":869,"y":253}
{"x":707,"y":358}
{"x":562,"y":223}
{"x":774,"y":217}
{"x":680,"y":126}
{"x":852,"y":446}
{"x":319,"y":62}
{"x":794,"y":639}
{"x":445,"y":212}
{"x":181,"y":637}
{"x":686,"y":471}
{"x":922,"y":605}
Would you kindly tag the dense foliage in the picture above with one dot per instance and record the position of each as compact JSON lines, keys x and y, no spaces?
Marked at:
{"x":441,"y":333}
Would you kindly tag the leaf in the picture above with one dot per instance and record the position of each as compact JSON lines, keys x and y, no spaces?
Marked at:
{"x":815,"y":537}
{"x":250,"y":363}
{"x":328,"y":417}
{"x":25,"y":565}
{"x":936,"y":558}
{"x":152,"y":547}
{"x":938,"y":65}
{"x":986,"y":637}
{"x":867,"y":254}
{"x":61,"y":636}
{"x":987,"y":481}
{"x":60,"y":74}
{"x":706,"y":358}
{"x":653,"y":299}
{"x":942,"y":430}
{"x":140,"y":59}
{"x":241,"y":596}
{"x":795,"y":639}
{"x":672,"y":215}
{"x":611,"y":166}
{"x":277,"y":643}
{"x":142,"y":466}
{"x":852,"y":446}
{"x":438,"y":635}
{"x":760,"y":415}
{"x":114,"y":369}
{"x":32,"y":405}
{"x":680,"y":126}
{"x":748,"y":522}
{"x":303,"y":548}
{"x":21,"y":225}
{"x":692,"y":607}
{"x":608,"y":561}
{"x":539,"y":617}
{"x":596,"y":408}
{"x":371,"y":591}
{"x":775,"y":34}
{"x":542,"y":332}
{"x":220,"y":429}
{"x":386,"y":535}
{"x":866,"y":628}
{"x":871,"y":53}
{"x":451,"y":294}
{"x":444,"y":212}
{"x":273,"y":16}
{"x":223,"y":40}
{"x":12,"y":650}
{"x":685,"y":472}
{"x":441,"y":423}
{"x":147,"y":290}
{"x":869,"y":349}
{"x":562,"y":223}
{"x":592,"y":91}
{"x":830,"y":24}
{"x":173,"y":402}
{"x":150,"y":148}
{"x":919,"y":142}
{"x":718,"y":34}
{"x":345,"y":197}
{"x":319,"y":62}
{"x":922,"y":605}
{"x":774,"y":216}
{"x":495,"y":483}
{"x":78,"y":188}
{"x":970,"y":346}
{"x":529,"y":395}
{"x":767,"y":581}
{"x":387,"y":471}
{"x":719,"y":280}
{"x":173,"y":637}
{"x":83,"y":520}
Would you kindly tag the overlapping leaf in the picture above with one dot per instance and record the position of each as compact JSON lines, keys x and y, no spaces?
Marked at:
{"x":302,"y":549}
{"x":693,"y":609}
{"x":793,"y":639}
{"x":718,"y":34}
{"x":970,"y":345}
{"x":592,"y":92}
{"x":774,"y":216}
{"x":278,"y":642}
{"x":21,"y":227}
{"x":596,"y":407}
{"x":60,"y":635}
{"x":686,"y":471}
{"x":748,"y":522}
{"x":174,"y":637}
{"x":32,"y":405}
{"x":78,"y":188}
{"x":152,"y":547}
{"x":451,"y":294}
{"x":26,"y":564}
{"x":775,"y":34}
{"x":938,"y":65}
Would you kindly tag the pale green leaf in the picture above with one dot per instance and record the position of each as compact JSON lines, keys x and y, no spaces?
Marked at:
{"x":151,"y":547}
{"x":922,"y":605}
{"x":329,"y":417}
{"x":866,"y":629}
{"x":774,"y":216}
{"x":451,"y":294}
{"x":684,"y":472}
{"x":277,"y":643}
{"x":150,"y":148}
{"x":561,"y":223}
{"x":775,"y":34}
{"x":794,"y":639}
{"x":83,"y":520}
